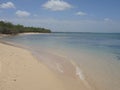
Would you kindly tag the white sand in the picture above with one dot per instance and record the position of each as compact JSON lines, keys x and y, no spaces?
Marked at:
{"x":19,"y":70}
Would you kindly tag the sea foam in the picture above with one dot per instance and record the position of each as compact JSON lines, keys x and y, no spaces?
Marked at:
{"x":79,"y":73}
{"x":59,"y":67}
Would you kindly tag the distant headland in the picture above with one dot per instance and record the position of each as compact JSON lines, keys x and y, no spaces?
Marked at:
{"x":9,"y":28}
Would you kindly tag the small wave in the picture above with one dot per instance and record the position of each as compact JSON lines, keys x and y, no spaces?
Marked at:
{"x":79,"y":73}
{"x":59,"y":67}
{"x":81,"y":76}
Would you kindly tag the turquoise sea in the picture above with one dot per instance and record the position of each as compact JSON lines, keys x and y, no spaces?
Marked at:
{"x":92,"y":57}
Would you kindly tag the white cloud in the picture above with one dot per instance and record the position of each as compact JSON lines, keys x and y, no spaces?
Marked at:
{"x":7,"y":5}
{"x":107,"y":20}
{"x":20,"y":13}
{"x":80,"y":13}
{"x":57,"y":5}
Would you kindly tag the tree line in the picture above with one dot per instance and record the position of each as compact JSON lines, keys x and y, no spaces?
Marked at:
{"x":9,"y":28}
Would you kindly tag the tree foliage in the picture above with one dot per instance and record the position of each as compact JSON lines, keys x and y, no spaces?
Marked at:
{"x":9,"y":28}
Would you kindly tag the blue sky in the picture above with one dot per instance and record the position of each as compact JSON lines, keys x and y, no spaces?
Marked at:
{"x":64,"y":15}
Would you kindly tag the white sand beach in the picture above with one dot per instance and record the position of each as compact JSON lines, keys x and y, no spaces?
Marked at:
{"x":19,"y":70}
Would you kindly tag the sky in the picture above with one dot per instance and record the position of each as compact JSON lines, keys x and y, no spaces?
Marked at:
{"x":64,"y":15}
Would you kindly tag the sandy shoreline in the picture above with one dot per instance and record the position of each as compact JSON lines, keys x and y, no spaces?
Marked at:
{"x":19,"y":70}
{"x":3,"y":35}
{"x":29,"y":33}
{"x":32,"y":33}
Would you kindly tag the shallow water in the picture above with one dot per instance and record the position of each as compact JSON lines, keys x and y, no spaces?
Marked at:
{"x":94,"y":58}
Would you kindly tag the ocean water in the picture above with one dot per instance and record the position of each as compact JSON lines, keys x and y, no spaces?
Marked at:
{"x":94,"y":58}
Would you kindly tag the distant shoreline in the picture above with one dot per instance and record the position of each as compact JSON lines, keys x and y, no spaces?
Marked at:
{"x":31,"y":33}
{"x":4,"y":35}
{"x":10,"y":28}
{"x":26,"y":33}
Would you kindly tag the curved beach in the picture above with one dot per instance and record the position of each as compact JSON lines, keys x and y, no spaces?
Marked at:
{"x":59,"y":61}
{"x":19,"y":70}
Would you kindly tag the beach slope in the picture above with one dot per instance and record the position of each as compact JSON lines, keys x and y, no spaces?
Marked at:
{"x":19,"y":70}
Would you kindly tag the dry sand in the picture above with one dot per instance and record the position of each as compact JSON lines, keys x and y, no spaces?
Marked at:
{"x":19,"y":70}
{"x":3,"y":35}
{"x":32,"y":33}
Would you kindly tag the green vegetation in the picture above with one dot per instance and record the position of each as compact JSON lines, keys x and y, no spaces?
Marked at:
{"x":9,"y":28}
